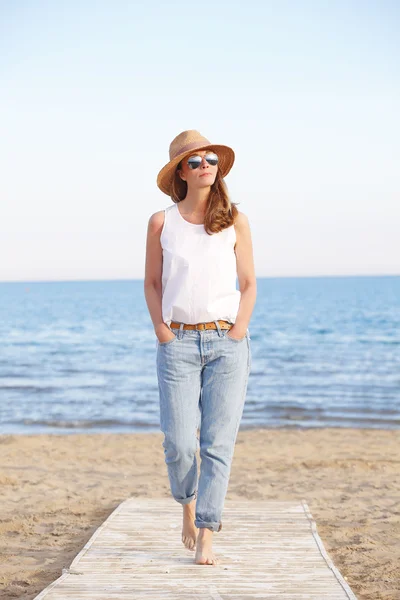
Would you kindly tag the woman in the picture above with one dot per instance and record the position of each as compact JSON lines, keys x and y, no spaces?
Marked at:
{"x":195,"y":250}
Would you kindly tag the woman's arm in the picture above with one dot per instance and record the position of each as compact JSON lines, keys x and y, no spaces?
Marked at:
{"x":153,"y":274}
{"x":246,"y":276}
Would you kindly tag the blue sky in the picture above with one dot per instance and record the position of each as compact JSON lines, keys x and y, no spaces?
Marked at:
{"x":92,"y":93}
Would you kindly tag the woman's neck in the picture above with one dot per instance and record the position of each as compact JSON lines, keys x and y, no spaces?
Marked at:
{"x":196,"y":201}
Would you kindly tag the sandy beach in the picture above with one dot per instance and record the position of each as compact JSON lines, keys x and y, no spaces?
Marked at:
{"x":55,"y":490}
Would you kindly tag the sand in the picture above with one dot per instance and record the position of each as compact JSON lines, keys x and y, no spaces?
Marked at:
{"x":55,"y":491}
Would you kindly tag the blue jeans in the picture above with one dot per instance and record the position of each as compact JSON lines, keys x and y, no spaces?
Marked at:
{"x":202,"y":374}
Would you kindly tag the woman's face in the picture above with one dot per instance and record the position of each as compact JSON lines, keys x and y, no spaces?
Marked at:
{"x":203,"y":176}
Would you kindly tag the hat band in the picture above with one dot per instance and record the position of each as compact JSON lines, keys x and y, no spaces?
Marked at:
{"x":190,"y":146}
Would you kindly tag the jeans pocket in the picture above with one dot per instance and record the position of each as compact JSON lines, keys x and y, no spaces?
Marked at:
{"x":233,"y":339}
{"x":168,"y":341}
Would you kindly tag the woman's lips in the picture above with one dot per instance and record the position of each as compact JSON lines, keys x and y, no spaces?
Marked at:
{"x":204,"y":174}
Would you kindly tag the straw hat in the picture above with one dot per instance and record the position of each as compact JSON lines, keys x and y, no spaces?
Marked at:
{"x":183,"y":145}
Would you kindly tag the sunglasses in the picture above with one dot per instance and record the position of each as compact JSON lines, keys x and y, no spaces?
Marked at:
{"x":195,"y":160}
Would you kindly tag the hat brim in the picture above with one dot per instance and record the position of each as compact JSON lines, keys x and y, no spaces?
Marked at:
{"x":226,"y":158}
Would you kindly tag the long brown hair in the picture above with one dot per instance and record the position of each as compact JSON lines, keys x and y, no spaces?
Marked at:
{"x":220,"y":213}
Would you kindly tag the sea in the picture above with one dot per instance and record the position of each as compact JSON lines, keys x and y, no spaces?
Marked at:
{"x":80,"y":356}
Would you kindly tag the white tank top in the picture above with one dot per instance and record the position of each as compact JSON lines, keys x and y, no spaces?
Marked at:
{"x":199,"y":272}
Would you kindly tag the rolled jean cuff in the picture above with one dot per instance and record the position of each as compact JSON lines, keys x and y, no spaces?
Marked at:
{"x":213,"y":525}
{"x":186,"y":500}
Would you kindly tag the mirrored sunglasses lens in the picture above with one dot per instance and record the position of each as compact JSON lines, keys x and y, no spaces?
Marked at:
{"x":211,"y":158}
{"x":194,"y":162}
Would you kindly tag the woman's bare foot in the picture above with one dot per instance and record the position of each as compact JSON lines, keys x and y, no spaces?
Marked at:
{"x":189,"y":530}
{"x":204,"y":553}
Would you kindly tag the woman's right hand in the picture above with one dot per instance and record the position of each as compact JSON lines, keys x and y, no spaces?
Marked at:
{"x":163,"y":333}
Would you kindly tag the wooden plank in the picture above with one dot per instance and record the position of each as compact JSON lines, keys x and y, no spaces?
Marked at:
{"x":267,"y":549}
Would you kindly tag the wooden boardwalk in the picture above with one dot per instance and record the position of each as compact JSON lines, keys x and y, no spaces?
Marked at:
{"x":267,"y":549}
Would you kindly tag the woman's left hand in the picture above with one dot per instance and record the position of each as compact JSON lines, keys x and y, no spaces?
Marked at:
{"x":237,"y":333}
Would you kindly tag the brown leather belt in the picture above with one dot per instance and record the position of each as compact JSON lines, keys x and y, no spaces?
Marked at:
{"x":209,"y":325}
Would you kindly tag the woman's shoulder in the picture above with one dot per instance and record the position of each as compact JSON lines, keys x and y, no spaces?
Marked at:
{"x":241,"y":220}
{"x":156,"y":221}
{"x":156,"y":218}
